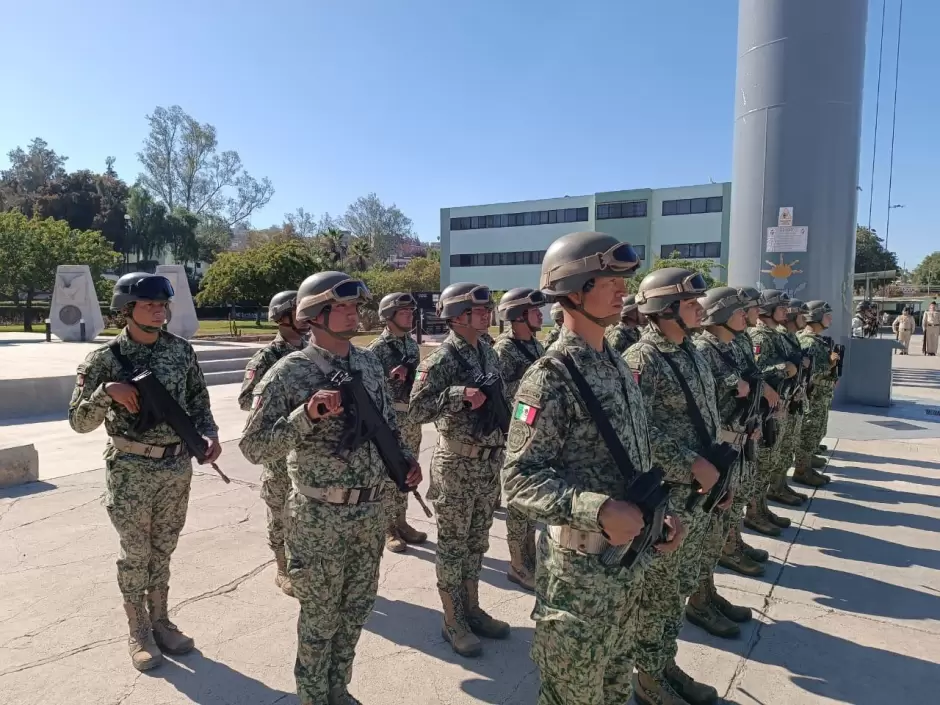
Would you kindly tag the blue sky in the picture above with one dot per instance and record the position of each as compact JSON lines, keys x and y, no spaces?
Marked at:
{"x":434,"y":103}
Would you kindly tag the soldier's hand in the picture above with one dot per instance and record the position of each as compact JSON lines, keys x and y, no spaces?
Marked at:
{"x":213,"y":451}
{"x":326,"y":402}
{"x":675,"y":533}
{"x":621,"y":521}
{"x":756,"y":434}
{"x":413,"y":479}
{"x":704,"y":473}
{"x":771,"y":395}
{"x":806,"y":363}
{"x":790,"y":369}
{"x":399,"y":373}
{"x":124,"y":394}
{"x":725,"y":503}
{"x":743,"y":388}
{"x":474,"y":397}
{"x":833,"y":357}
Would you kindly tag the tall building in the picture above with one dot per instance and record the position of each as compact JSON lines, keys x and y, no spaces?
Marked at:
{"x":501,"y":245}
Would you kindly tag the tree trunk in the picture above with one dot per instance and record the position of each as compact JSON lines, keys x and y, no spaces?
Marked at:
{"x":28,"y":313}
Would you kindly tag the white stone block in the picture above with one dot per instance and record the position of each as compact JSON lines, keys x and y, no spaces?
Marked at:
{"x":18,"y":465}
{"x":74,"y":300}
{"x":183,"y":321}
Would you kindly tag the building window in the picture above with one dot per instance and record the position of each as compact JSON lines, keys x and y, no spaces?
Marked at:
{"x":640,"y":251}
{"x":693,"y":206}
{"x":517,"y":220}
{"x":497,"y":259}
{"x":694,"y":250}
{"x":715,"y":204}
{"x":623,"y":209}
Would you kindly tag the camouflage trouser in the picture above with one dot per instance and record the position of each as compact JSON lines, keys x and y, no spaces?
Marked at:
{"x":714,"y":540}
{"x":464,"y":492}
{"x":395,"y":502}
{"x":275,"y":486}
{"x":518,"y":530}
{"x":146,"y":501}
{"x":745,"y":489}
{"x":814,"y":424}
{"x":786,"y":450}
{"x":767,"y":460}
{"x":668,"y":583}
{"x":585,"y":627}
{"x":333,"y":562}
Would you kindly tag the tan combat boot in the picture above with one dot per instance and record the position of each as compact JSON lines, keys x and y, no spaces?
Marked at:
{"x":408,"y":533}
{"x":167,"y":635}
{"x":695,"y":693}
{"x":338,"y":695}
{"x":733,"y":558}
{"x":758,"y":555}
{"x":700,"y":612}
{"x":518,"y":572}
{"x":281,"y":578}
{"x":454,"y":627}
{"x":755,"y":521}
{"x":779,"y":491}
{"x":775,"y":519}
{"x":393,"y":540}
{"x":818,"y":463}
{"x":140,"y":644}
{"x":805,"y":475}
{"x":479,"y":621}
{"x":736,"y":613}
{"x":655,"y":691}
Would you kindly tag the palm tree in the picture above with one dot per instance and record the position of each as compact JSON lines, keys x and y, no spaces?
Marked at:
{"x":331,"y":244}
{"x":360,"y":252}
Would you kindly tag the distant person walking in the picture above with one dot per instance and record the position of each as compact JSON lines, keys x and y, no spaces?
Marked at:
{"x":903,"y":328}
{"x":931,"y":323}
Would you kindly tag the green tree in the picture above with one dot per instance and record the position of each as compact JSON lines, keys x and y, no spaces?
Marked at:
{"x":870,"y":252}
{"x":302,"y":222}
{"x":385,"y":227}
{"x":29,"y":171}
{"x":148,"y":234}
{"x":181,"y":232}
{"x":927,"y":273}
{"x":213,"y":237}
{"x":359,"y":254}
{"x":331,"y":245}
{"x":702,"y":266}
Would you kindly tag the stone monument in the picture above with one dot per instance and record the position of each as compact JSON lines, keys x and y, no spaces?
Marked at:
{"x":182,"y":313}
{"x":74,"y":300}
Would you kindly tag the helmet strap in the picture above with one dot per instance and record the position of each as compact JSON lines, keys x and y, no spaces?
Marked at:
{"x":346,"y":335}
{"x":129,"y":315}
{"x":579,"y":307}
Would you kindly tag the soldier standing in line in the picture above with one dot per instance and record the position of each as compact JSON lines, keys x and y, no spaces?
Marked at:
{"x":334,"y":524}
{"x":465,"y":465}
{"x":679,"y":394}
{"x":626,"y":332}
{"x":560,"y":469}
{"x":148,"y":470}
{"x":275,"y":484}
{"x":772,"y":359}
{"x":737,"y":407}
{"x":399,"y":354}
{"x":516,"y":350}
{"x":822,"y":387}
{"x":556,"y":312}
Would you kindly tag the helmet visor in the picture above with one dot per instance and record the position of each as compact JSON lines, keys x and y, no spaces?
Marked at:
{"x":732,"y":301}
{"x":405,"y":301}
{"x":477,"y":296}
{"x":620,"y":258}
{"x":693,"y":284}
{"x":535,"y":298}
{"x":152,"y":289}
{"x":344,"y":292}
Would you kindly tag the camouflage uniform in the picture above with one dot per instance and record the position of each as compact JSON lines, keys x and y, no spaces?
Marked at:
{"x":520,"y":532}
{"x":822,"y":389}
{"x":552,"y":335}
{"x":671,"y":579}
{"x":274,"y":481}
{"x":487,"y":338}
{"x":333,"y":549}
{"x":621,"y":336}
{"x":792,"y":427}
{"x":558,"y":470}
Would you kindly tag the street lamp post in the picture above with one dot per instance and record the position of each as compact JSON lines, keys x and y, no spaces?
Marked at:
{"x":888,"y":224}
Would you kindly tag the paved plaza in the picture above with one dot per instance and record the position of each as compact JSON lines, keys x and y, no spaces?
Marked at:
{"x":849,"y":611}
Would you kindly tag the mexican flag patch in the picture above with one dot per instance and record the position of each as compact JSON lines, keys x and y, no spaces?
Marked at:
{"x":525,"y":413}
{"x":757,"y":349}
{"x":636,"y":376}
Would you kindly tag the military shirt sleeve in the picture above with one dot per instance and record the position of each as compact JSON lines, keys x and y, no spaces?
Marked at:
{"x":89,"y":402}
{"x":274,"y":426}
{"x":431,"y":396}
{"x":531,"y":483}
{"x":197,"y":399}
{"x":259,"y":363}
{"x":388,"y":410}
{"x":505,"y":360}
{"x":774,"y":373}
{"x":724,"y":375}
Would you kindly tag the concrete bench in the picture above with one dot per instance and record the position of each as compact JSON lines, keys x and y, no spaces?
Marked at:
{"x":18,"y":465}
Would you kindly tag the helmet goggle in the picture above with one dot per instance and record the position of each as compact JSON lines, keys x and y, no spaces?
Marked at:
{"x":535,"y":298}
{"x":619,"y":258}
{"x":734,"y":301}
{"x":478,"y":296}
{"x":154,"y":288}
{"x":345,"y":291}
{"x":747,"y":296}
{"x":692,"y":284}
{"x":629,"y":308}
{"x":404,"y":301}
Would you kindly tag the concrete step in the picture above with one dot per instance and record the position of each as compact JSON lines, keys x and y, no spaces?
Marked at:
{"x":224,"y":377}
{"x":225,"y":353}
{"x":224,"y":365}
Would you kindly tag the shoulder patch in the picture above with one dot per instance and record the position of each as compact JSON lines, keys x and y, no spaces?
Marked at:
{"x":422,"y":375}
{"x":636,"y":376}
{"x":757,"y":348}
{"x":256,"y":402}
{"x":526,"y":413}
{"x":250,"y":374}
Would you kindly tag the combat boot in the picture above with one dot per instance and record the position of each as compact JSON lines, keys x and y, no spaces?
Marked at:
{"x":518,"y":572}
{"x":736,"y":613}
{"x":479,"y":621}
{"x":779,"y":491}
{"x":393,"y":540}
{"x":755,"y":521}
{"x":454,"y":627}
{"x":695,"y":693}
{"x":733,"y":558}
{"x":818,"y":463}
{"x":823,"y":448}
{"x":804,"y":475}
{"x":758,"y":555}
{"x":282,"y":579}
{"x":140,"y":644}
{"x":655,"y":691}
{"x":700,"y":612}
{"x":167,"y":635}
{"x":338,"y":695}
{"x":408,"y":533}
{"x":775,"y":519}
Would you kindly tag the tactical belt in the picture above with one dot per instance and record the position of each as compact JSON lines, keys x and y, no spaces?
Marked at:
{"x":590,"y":542}
{"x":400,"y":406}
{"x":732,"y":437}
{"x":126,"y":445}
{"x":469,"y":450}
{"x":340,"y":495}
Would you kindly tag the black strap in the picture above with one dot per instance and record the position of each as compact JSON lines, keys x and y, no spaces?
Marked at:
{"x":729,"y":361}
{"x":611,"y":440}
{"x":705,"y":438}
{"x":126,"y":364}
{"x":520,"y":346}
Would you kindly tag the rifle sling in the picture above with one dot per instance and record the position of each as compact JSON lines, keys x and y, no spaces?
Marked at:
{"x":524,"y":350}
{"x":705,"y":438}
{"x":126,"y":364}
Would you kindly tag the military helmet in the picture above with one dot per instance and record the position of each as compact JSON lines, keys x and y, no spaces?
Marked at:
{"x":576,"y":258}
{"x":862,"y":306}
{"x":516,"y":302}
{"x":795,"y":307}
{"x":140,"y":286}
{"x":557,"y":313}
{"x":394,"y":302}
{"x":816,"y":311}
{"x":326,"y":288}
{"x":461,"y":297}
{"x":662,"y":288}
{"x":629,"y":306}
{"x":720,"y":303}
{"x":281,"y":304}
{"x":770,"y":299}
{"x":750,"y":296}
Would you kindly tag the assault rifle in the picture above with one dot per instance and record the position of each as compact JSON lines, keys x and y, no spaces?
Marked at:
{"x":364,"y":423}
{"x":839,"y":350}
{"x":724,"y":457}
{"x":411,"y":364}
{"x":495,"y":410}
{"x":648,"y":493}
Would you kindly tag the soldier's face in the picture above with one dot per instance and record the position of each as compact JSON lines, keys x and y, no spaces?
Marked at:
{"x":738,"y":321}
{"x":479,"y":318}
{"x":150,"y":313}
{"x":692,"y":313}
{"x":533,"y":317}
{"x":800,"y":321}
{"x":404,"y":318}
{"x":605,"y":299}
{"x":753,"y":315}
{"x":780,"y":314}
{"x":827,"y":320}
{"x":344,"y":317}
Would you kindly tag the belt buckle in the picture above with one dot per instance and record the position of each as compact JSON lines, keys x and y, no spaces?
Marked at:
{"x":148,"y":451}
{"x":352,"y":496}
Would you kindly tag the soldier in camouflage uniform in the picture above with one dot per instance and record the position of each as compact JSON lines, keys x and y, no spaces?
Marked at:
{"x":465,"y":465}
{"x":668,"y":297}
{"x":556,"y":312}
{"x":559,"y":470}
{"x":822,"y":387}
{"x":398,"y":352}
{"x":148,"y":470}
{"x":333,"y":529}
{"x":626,"y":332}
{"x":274,"y":481}
{"x":773,"y":360}
{"x":516,"y":350}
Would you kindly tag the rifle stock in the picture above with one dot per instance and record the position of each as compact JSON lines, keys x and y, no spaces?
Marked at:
{"x":649,"y":493}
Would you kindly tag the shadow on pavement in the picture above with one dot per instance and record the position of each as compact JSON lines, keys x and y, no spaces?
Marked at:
{"x":867,"y":549}
{"x":881,"y":495}
{"x":26,"y":490}
{"x":865,"y":458}
{"x":206,"y":682}
{"x":838,"y":510}
{"x":494,"y":569}
{"x":871,"y":475}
